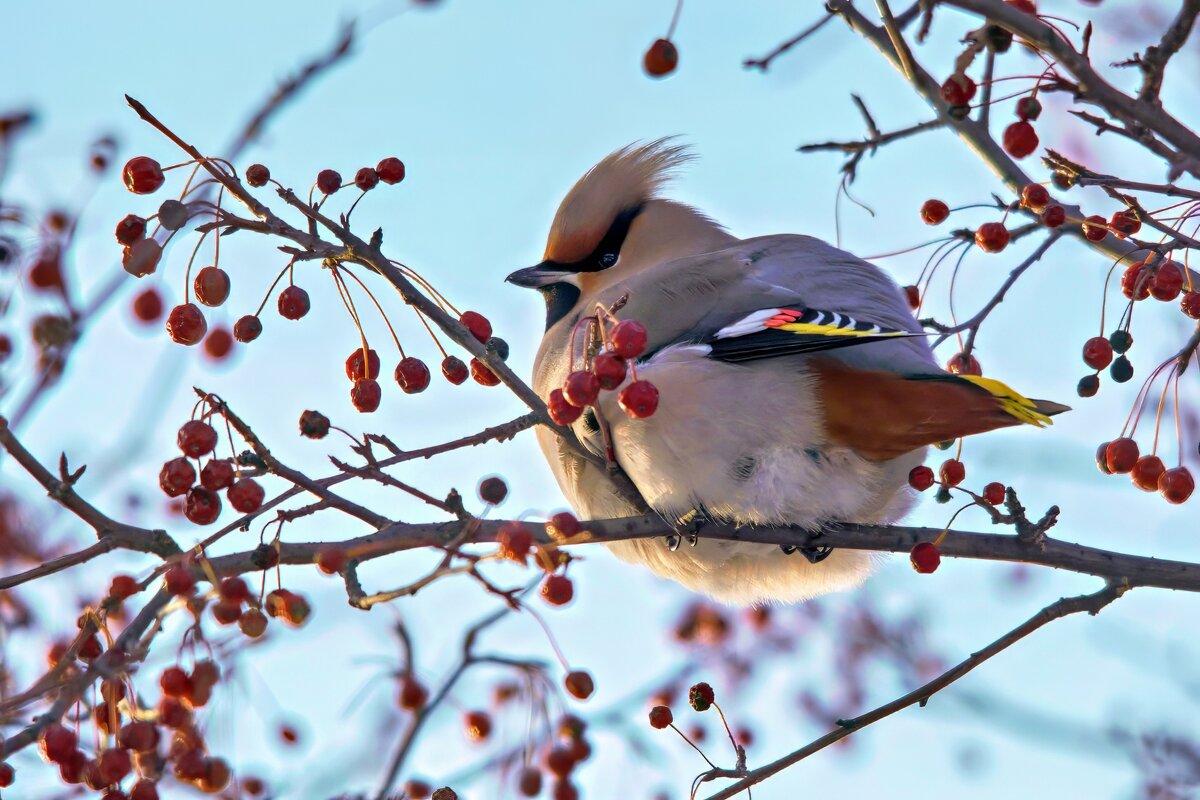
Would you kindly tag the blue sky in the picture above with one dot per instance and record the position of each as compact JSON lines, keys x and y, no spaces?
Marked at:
{"x":496,"y":109}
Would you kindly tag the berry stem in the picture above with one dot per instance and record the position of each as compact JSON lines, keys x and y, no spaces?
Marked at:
{"x":271,"y":289}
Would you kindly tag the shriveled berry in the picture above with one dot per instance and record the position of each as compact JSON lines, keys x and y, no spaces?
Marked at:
{"x":253,"y":623}
{"x":1121,"y":340}
{"x":172,"y":215}
{"x":391,"y":170}
{"x":1102,"y":458}
{"x":579,"y":684}
{"x":186,"y":325}
{"x":179,"y":580}
{"x":314,"y":425}
{"x":562,"y":412}
{"x":557,"y":590}
{"x":515,"y":541}
{"x":357,"y":368}
{"x":365,"y":395}
{"x":1176,"y":485}
{"x":454,"y":370}
{"x":1029,"y":108}
{"x":701,"y":697}
{"x":1167,"y":282}
{"x":130,"y":229}
{"x":661,"y":717}
{"x":328,"y":181}
{"x":952,"y":472}
{"x":1088,"y":386}
{"x":661,"y":58}
{"x":1121,"y":455}
{"x":1146,"y":472}
{"x":994,"y":493}
{"x":925,"y":557}
{"x":1190,"y":304}
{"x":257,"y":175}
{"x":293,"y":303}
{"x":639,"y":399}
{"x":196,"y":438}
{"x":477,"y":324}
{"x":629,"y":338}
{"x":920,"y":478}
{"x":1097,"y":352}
{"x":366,"y":179}
{"x":139,"y":259}
{"x":581,"y":388}
{"x":412,"y":375}
{"x":1035,"y":197}
{"x":246,"y":495}
{"x":497,"y":347}
{"x":1054,"y":216}
{"x":934,"y":212}
{"x":176,"y":477}
{"x":958,"y":89}
{"x":203,"y":506}
{"x":992,"y":237}
{"x":247,"y":328}
{"x":142,"y":175}
{"x":493,"y":490}
{"x":1125,"y":223}
{"x":482,"y":374}
{"x":1121,"y":370}
{"x":1095,"y":228}
{"x":563,"y":526}
{"x":211,"y":286}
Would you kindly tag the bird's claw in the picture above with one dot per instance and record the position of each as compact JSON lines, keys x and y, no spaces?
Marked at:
{"x":672,"y":541}
{"x":690,"y":524}
{"x":814,"y":553}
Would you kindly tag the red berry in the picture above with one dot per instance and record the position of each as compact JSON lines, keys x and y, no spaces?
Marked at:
{"x":963,"y":364}
{"x":1146,"y":472}
{"x":130,"y":229}
{"x":1020,"y":139}
{"x":196,"y":438}
{"x":314,"y":425}
{"x":8,"y":774}
{"x":186,"y":325}
{"x":1097,"y":352}
{"x":140,"y":736}
{"x":234,"y":589}
{"x":6,"y":347}
{"x":913,"y":295}
{"x":639,"y":399}
{"x":992,"y":237}
{"x":1054,"y":216}
{"x":1176,"y":485}
{"x":579,"y":684}
{"x":412,"y":375}
{"x":563,"y":526}
{"x":1167,"y":283}
{"x":1125,"y":223}
{"x":174,"y":682}
{"x":934,"y":212}
{"x":142,"y":175}
{"x":609,"y":369}
{"x":529,"y":783}
{"x":581,"y":388}
{"x":958,"y":89}
{"x":226,"y":613}
{"x":253,"y":623}
{"x":1035,"y":197}
{"x":331,"y":560}
{"x":483,"y":375}
{"x":293,"y":302}
{"x":179,"y":580}
{"x":122,"y":586}
{"x":1028,"y":6}
{"x":925,"y":557}
{"x":365,"y":395}
{"x":701,"y":697}
{"x":952,"y":472}
{"x":1029,"y":108}
{"x":477,"y":324}
{"x":455,"y":370}
{"x":557,"y":590}
{"x":629,"y":338}
{"x":920,"y":478}
{"x":177,"y":476}
{"x":515,"y":541}
{"x":145,"y":790}
{"x":994,"y":493}
{"x":57,"y":743}
{"x":562,"y":412}
{"x":328,"y":181}
{"x":1094,"y":228}
{"x":148,"y":305}
{"x":660,"y":59}
{"x":1121,"y":455}
{"x":478,"y":725}
{"x":203,"y":506}
{"x":1191,"y":304}
{"x":391,"y":170}
{"x":661,"y":717}
{"x":218,"y":344}
{"x":257,"y":175}
{"x":356,"y":369}
{"x":211,"y":286}
{"x":417,"y":790}
{"x":1135,"y":283}
{"x":247,"y":329}
{"x":246,"y":495}
{"x":366,"y":179}
{"x":412,"y":694}
{"x":560,"y":762}
{"x":493,"y":490}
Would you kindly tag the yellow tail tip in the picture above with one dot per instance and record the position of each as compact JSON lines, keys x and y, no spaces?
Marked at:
{"x":1031,"y":412}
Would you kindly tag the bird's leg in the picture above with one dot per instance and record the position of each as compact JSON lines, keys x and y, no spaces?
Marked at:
{"x":814,"y":553}
{"x":689,"y":525}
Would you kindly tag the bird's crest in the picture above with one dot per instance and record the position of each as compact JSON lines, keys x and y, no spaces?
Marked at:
{"x":622,"y":180}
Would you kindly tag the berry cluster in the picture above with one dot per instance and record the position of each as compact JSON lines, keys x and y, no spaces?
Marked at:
{"x":625,"y":341}
{"x":925,"y":556}
{"x":202,"y":503}
{"x":1121,"y":456}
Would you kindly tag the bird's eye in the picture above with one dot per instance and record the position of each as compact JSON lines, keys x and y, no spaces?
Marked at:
{"x":608,"y":259}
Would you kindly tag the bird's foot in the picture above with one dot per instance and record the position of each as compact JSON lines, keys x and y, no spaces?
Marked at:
{"x":814,"y":553}
{"x":690,"y":524}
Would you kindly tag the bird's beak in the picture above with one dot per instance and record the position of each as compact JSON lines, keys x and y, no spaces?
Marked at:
{"x":539,"y":275}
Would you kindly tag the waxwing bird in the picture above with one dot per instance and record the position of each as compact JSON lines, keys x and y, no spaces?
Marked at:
{"x":796,"y":387}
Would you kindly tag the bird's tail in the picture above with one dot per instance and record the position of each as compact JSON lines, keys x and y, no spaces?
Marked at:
{"x":1031,"y":412}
